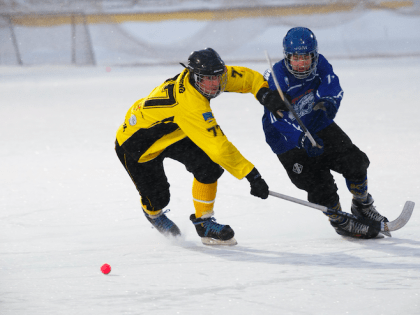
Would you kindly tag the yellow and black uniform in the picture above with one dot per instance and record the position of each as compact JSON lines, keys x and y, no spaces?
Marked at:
{"x":175,"y":120}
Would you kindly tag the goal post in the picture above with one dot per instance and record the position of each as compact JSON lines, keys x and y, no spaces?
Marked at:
{"x":42,"y":43}
{"x":81,"y":42}
{"x":9,"y":49}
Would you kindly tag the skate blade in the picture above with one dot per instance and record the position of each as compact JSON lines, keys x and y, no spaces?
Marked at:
{"x":211,"y":241}
{"x":387,"y":233}
{"x":352,"y":238}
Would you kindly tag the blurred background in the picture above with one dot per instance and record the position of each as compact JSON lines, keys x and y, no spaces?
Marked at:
{"x":159,"y":32}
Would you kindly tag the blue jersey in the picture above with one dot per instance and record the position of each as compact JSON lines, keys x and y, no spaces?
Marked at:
{"x":283,"y":135}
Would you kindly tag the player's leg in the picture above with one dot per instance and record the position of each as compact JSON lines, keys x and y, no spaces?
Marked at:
{"x":204,"y":190}
{"x":153,"y":187}
{"x":313,"y":175}
{"x":309,"y":174}
{"x":347,"y":159}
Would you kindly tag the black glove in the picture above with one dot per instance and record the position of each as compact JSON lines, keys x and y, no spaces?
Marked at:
{"x":259,"y":187}
{"x":312,"y":151}
{"x":272,"y":101}
{"x":327,"y":104}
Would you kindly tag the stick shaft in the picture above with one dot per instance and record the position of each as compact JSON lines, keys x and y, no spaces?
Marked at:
{"x":312,"y":205}
{"x":299,"y":201}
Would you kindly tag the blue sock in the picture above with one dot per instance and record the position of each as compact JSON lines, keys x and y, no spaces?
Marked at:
{"x":358,"y":189}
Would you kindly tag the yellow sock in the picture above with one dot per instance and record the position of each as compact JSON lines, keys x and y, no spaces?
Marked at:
{"x":153,"y":214}
{"x":204,"y":196}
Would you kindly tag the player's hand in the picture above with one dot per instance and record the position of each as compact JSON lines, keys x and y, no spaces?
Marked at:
{"x":259,"y":187}
{"x":306,"y":144}
{"x":272,"y":101}
{"x":328,"y":105}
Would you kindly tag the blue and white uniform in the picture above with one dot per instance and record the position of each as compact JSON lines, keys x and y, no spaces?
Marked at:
{"x":307,"y":78}
{"x":322,"y":84}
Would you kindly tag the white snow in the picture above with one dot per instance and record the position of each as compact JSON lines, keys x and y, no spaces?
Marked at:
{"x":67,"y":205}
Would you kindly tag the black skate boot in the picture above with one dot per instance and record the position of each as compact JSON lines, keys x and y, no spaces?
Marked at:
{"x":212,"y":233}
{"x":163,"y":224}
{"x":367,"y":210}
{"x":363,"y":228}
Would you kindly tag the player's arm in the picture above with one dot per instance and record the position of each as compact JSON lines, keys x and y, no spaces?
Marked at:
{"x":245,"y":80}
{"x":329,"y":93}
{"x":202,"y":128}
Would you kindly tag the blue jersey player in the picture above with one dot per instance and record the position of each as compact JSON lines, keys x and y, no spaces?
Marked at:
{"x":313,"y":89}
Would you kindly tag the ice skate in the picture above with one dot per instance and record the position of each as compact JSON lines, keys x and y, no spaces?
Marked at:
{"x":367,"y":210}
{"x":352,"y":228}
{"x":163,"y":224}
{"x":212,"y":233}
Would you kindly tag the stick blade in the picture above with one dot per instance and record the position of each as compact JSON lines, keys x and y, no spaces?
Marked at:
{"x":402,"y":219}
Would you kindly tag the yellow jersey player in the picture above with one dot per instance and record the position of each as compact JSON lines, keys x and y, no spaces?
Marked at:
{"x":176,"y":121}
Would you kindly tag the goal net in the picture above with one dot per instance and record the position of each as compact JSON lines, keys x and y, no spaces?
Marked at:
{"x":144,"y":32}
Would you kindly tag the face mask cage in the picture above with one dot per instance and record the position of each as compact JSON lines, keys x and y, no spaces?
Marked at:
{"x":299,"y":69}
{"x":210,"y":85}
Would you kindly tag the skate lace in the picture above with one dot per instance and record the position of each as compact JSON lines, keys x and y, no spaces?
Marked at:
{"x":211,"y":226}
{"x":163,"y":222}
{"x":372,"y":214}
{"x":356,"y":227}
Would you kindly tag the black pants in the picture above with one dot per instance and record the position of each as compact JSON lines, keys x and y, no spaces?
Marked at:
{"x":314,"y":174}
{"x":150,"y":179}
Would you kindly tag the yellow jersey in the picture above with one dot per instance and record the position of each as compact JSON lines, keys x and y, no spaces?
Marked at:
{"x":175,"y":110}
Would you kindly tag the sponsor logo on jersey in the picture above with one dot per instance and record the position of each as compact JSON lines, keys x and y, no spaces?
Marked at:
{"x":133,"y":120}
{"x":304,"y":105}
{"x":297,"y":168}
{"x":208,"y":116}
{"x":181,"y":88}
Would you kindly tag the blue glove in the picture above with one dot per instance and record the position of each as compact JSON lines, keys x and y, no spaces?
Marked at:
{"x":329,"y":105}
{"x":306,"y":144}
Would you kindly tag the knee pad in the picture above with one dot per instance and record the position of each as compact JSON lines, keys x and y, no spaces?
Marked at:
{"x":325,"y":197}
{"x":357,"y":164}
{"x":210,"y":174}
{"x":155,"y":202}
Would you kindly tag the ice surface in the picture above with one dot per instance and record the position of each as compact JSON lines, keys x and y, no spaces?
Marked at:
{"x":68,"y":206}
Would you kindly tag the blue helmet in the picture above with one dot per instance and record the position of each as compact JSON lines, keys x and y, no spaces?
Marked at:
{"x":300,"y":44}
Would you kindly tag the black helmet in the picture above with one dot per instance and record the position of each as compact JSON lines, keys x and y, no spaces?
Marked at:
{"x":206,"y":64}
